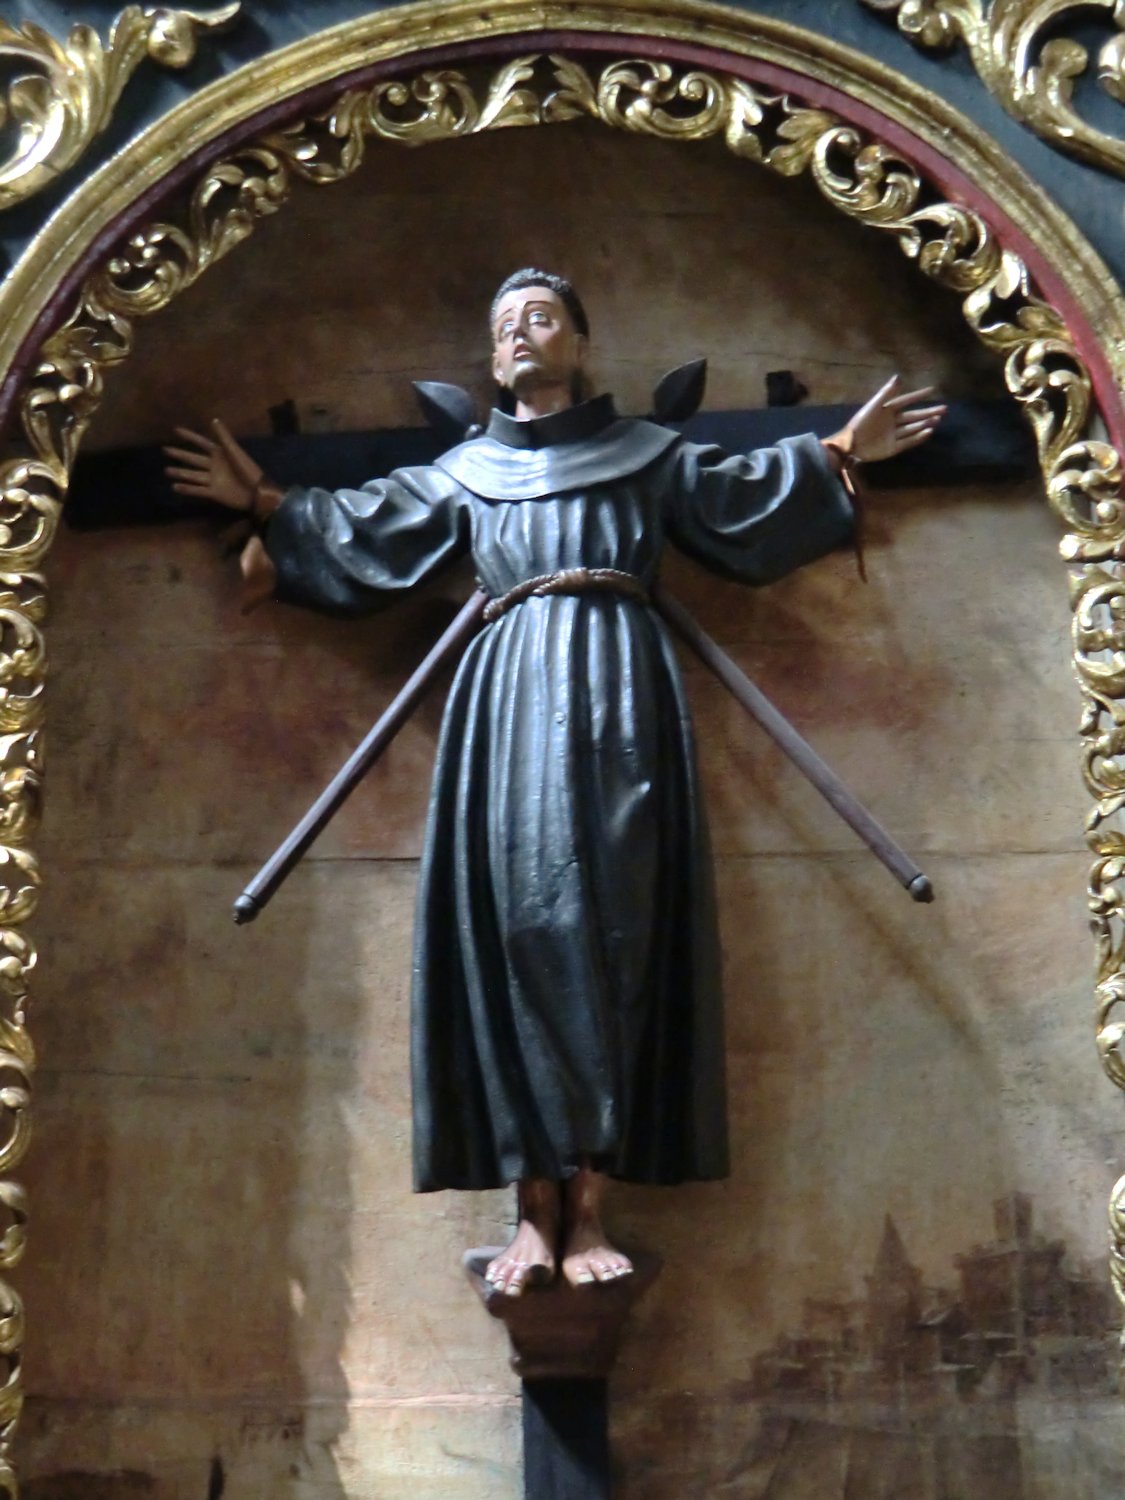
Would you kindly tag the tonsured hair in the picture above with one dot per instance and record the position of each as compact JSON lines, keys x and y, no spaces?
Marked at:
{"x":563,"y":290}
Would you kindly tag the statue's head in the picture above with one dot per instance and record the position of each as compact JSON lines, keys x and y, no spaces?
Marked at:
{"x":539,"y":333}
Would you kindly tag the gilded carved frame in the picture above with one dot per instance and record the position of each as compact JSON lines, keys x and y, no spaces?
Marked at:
{"x":106,"y":260}
{"x":1025,"y":59}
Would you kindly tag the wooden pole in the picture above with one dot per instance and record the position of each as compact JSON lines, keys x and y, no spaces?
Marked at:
{"x":798,"y":749}
{"x":447,"y":648}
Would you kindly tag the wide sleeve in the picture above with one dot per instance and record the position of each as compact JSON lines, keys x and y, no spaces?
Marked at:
{"x":346,"y":551}
{"x":755,"y":517}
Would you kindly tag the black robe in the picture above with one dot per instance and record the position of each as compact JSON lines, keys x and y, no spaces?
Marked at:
{"x":566,"y":999}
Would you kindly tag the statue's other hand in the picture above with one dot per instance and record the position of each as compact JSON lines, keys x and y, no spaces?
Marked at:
{"x":259,"y":576}
{"x":891,"y":422}
{"x":217,"y":468}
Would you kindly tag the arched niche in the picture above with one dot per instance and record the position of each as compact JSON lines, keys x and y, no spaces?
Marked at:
{"x":880,"y":153}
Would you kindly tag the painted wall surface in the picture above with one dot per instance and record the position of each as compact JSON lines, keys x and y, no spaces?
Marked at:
{"x":901,"y":1290}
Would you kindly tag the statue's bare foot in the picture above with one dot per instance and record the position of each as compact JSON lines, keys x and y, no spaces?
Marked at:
{"x":530,"y":1259}
{"x":588,"y":1255}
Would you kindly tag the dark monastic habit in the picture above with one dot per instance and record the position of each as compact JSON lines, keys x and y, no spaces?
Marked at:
{"x":566,"y":965}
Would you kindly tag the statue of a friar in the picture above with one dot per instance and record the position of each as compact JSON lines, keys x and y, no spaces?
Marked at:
{"x":567,"y":1023}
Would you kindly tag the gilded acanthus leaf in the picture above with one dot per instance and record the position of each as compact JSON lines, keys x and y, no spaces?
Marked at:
{"x":656,"y":99}
{"x":13,"y":1238}
{"x":869,"y":181}
{"x":508,"y":102}
{"x":798,"y":131}
{"x":63,"y":94}
{"x":1031,"y":69}
{"x":574,"y":94}
{"x":432,"y":107}
{"x":1117,"y":1219}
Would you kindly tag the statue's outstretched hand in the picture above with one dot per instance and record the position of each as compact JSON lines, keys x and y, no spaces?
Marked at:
{"x":220,"y":469}
{"x":215,"y":468}
{"x":891,"y":422}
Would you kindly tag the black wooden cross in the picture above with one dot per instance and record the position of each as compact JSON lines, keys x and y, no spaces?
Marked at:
{"x":978,"y":442}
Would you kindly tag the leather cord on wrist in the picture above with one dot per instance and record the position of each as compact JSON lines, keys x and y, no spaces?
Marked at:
{"x":842,"y":444}
{"x":263,"y":488}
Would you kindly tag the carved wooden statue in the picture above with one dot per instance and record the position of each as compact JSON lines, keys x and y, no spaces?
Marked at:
{"x":567,"y":1020}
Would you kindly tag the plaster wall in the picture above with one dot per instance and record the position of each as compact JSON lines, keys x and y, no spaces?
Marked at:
{"x":232,"y":1289}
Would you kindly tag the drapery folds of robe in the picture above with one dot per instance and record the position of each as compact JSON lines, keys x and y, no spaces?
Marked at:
{"x":566,"y":993}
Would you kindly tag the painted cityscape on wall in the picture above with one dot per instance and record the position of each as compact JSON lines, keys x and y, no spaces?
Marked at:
{"x":948,"y":1392}
{"x":1018,"y":1317}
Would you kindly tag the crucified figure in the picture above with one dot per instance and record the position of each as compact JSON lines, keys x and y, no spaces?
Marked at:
{"x":566,"y":1019}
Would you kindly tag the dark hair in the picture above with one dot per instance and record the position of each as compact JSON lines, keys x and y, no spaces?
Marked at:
{"x":531,"y":276}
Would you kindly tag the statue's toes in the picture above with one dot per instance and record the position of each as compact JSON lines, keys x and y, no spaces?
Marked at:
{"x":516,"y":1279}
{"x":500,"y":1273}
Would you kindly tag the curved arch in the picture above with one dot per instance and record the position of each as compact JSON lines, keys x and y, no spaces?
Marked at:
{"x":879,"y":149}
{"x":956,"y":153}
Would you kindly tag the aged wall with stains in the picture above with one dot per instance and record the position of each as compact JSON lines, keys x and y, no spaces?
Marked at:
{"x":233,"y":1290}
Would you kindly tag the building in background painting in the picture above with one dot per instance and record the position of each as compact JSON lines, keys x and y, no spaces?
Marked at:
{"x":1018,"y":1319}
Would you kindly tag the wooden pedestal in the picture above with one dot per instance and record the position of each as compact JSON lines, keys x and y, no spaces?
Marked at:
{"x":564,"y":1343}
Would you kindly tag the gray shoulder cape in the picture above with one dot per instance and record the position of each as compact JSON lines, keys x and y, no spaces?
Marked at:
{"x":572,"y":449}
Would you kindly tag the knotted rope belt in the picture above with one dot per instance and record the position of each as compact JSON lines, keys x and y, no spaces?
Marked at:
{"x":567,"y":581}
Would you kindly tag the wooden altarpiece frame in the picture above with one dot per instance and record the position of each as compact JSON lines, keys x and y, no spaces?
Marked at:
{"x":881,"y":150}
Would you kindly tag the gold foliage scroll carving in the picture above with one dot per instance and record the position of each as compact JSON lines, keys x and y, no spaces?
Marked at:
{"x":1031,"y":69}
{"x":860,"y":176}
{"x":22,"y":669}
{"x":70,"y":89}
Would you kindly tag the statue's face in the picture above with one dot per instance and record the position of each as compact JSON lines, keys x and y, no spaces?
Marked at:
{"x":534,"y":341}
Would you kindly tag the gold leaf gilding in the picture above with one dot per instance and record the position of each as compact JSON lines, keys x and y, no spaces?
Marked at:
{"x":68,"y":97}
{"x":1025,"y":65}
